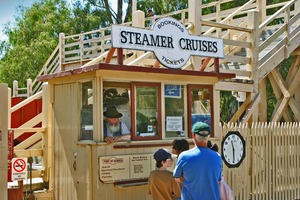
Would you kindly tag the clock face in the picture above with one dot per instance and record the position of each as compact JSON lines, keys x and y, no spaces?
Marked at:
{"x":233,"y":149}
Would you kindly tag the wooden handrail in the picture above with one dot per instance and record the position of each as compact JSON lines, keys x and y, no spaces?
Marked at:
{"x":275,"y":15}
{"x":26,"y":101}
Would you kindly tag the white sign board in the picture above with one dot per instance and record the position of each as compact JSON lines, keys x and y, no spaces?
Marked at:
{"x":19,"y":169}
{"x":169,"y":40}
{"x":126,"y":167}
{"x":174,"y":123}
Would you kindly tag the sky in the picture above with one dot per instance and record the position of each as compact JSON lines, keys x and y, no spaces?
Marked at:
{"x":8,"y":11}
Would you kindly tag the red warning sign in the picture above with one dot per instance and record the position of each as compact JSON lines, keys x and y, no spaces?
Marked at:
{"x":19,"y":165}
{"x":19,"y":169}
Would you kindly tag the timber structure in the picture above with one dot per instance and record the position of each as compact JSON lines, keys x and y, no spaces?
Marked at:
{"x":255,"y":43}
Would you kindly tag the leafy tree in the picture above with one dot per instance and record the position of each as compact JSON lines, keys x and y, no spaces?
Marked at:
{"x":112,"y":16}
{"x":31,"y":39}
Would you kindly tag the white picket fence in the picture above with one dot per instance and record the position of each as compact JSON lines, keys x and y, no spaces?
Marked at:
{"x":272,"y":164}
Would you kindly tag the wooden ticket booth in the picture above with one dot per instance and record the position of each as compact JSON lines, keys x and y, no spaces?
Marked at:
{"x":158,"y":105}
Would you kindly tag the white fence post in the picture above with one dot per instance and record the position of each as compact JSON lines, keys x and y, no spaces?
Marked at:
{"x":3,"y":139}
{"x":29,"y":87}
{"x":15,"y":88}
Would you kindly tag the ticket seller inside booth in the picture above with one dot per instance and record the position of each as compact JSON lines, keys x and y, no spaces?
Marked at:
{"x":148,"y":106}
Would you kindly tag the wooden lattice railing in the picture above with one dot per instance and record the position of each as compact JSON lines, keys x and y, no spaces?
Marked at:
{"x":239,"y":30}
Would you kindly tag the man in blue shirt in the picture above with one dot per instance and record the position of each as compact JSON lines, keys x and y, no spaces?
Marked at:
{"x":200,"y":168}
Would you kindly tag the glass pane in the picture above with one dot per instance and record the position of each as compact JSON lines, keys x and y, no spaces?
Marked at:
{"x":86,"y":112}
{"x":201,"y":110}
{"x":119,"y":97}
{"x":146,"y":111}
{"x":174,"y":110}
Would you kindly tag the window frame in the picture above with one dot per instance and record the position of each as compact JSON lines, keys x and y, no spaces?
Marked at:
{"x":189,"y":102}
{"x":133,"y":111}
{"x":81,"y":107}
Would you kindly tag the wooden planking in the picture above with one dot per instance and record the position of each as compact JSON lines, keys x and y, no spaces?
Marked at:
{"x":272,"y":159}
{"x":65,"y":138}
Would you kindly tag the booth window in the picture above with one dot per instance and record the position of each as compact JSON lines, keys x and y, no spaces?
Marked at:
{"x":86,"y":111}
{"x":200,"y":106}
{"x":117,"y":94}
{"x":146,"y":110}
{"x":174,"y":110}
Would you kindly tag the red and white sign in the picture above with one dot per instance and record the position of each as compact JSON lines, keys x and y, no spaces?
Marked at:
{"x":19,"y":169}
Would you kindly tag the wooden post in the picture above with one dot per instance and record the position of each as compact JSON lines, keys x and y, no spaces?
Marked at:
{"x":3,"y":139}
{"x":253,"y":18}
{"x":15,"y":88}
{"x":195,"y":15}
{"x":61,"y":51}
{"x":218,"y":17}
{"x":134,"y":7}
{"x":263,"y":102}
{"x":46,"y":137}
{"x":262,"y":9}
{"x":138,"y":20}
{"x":29,"y":87}
{"x":287,"y":32}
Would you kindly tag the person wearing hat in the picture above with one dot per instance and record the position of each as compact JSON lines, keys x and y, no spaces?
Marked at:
{"x":114,"y":130}
{"x":201,"y":167}
{"x":161,"y":183}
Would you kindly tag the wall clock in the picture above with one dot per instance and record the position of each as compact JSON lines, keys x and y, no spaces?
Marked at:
{"x":233,"y":149}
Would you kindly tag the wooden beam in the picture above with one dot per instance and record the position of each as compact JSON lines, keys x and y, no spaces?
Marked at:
{"x":293,"y":70}
{"x":29,"y":141}
{"x":280,"y":83}
{"x":279,"y":109}
{"x":110,"y":55}
{"x":120,"y":56}
{"x":203,"y":66}
{"x":263,"y":111}
{"x":295,"y":83}
{"x":278,"y":96}
{"x":234,"y":86}
{"x":28,"y":153}
{"x":252,"y":108}
{"x":241,"y":109}
{"x":217,"y":65}
{"x":294,"y":105}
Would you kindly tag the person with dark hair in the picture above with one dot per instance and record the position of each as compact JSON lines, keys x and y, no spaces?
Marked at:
{"x":114,"y":130}
{"x":201,"y":167}
{"x":161,"y":184}
{"x":212,"y":146}
{"x":179,"y":145}
{"x":150,"y":13}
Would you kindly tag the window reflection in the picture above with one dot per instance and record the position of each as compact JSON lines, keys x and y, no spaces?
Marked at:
{"x":174,"y":110}
{"x":200,"y":97}
{"x":86,"y":111}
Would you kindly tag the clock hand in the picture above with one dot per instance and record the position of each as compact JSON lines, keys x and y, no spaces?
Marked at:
{"x":232,"y":150}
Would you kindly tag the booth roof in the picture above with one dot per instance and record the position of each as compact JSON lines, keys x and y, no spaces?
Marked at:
{"x":104,"y":66}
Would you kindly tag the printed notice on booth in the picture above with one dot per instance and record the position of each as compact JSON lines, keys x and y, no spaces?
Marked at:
{"x":174,"y":123}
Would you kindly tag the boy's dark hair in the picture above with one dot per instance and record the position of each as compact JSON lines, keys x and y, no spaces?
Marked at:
{"x":180,"y":144}
{"x":158,"y":163}
{"x":212,"y":146}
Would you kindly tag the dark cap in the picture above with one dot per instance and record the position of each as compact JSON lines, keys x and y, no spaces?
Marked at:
{"x":162,"y":154}
{"x":201,"y":129}
{"x":111,"y":112}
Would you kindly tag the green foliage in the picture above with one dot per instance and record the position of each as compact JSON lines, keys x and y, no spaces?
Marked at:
{"x":31,"y":40}
{"x":162,"y":6}
{"x":228,"y":106}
